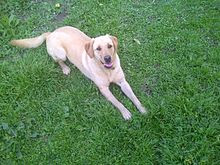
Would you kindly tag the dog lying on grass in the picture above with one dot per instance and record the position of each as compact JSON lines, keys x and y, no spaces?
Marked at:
{"x":96,"y":58}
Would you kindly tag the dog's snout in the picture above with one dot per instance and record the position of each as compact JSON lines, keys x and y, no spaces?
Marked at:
{"x":107,"y":59}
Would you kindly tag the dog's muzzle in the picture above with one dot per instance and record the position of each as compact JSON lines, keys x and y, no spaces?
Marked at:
{"x":108,"y":62}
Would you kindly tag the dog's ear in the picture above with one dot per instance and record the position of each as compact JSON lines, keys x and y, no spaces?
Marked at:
{"x":89,"y":48}
{"x":115,"y":42}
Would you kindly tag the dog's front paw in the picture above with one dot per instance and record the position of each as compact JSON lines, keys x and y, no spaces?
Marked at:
{"x":142,"y":110}
{"x":126,"y":115}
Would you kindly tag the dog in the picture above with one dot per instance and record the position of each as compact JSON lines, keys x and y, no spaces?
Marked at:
{"x":96,"y":58}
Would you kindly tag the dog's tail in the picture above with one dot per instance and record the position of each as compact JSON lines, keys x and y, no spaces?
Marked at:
{"x":30,"y":42}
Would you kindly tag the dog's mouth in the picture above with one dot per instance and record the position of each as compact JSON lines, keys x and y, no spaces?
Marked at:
{"x":108,"y":65}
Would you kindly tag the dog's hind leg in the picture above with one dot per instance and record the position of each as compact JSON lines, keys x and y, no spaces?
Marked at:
{"x":58,"y":53}
{"x":64,"y":67}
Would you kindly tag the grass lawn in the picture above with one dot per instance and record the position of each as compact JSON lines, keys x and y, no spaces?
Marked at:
{"x":49,"y":118}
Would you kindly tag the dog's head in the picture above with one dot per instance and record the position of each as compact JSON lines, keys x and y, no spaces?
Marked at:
{"x":103,"y":49}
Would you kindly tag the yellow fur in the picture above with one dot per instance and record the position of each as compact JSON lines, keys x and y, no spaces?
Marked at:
{"x":30,"y":42}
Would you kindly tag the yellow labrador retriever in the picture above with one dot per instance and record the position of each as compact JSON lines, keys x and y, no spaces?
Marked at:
{"x":96,"y":58}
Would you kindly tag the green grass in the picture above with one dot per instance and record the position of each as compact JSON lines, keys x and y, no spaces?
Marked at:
{"x":48,"y":118}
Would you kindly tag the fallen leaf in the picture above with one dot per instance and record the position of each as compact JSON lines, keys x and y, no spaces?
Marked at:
{"x":137,"y":41}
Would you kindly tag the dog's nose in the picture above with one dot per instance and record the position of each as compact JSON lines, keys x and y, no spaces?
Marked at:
{"x":107,"y":59}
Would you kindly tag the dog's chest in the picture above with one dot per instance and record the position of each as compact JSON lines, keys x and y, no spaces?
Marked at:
{"x":111,"y":75}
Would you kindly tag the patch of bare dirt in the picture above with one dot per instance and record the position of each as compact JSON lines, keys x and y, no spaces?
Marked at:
{"x":147,"y":89}
{"x":60,"y":16}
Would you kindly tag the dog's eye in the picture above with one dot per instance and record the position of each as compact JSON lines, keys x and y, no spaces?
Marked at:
{"x":98,"y":48}
{"x":109,"y":46}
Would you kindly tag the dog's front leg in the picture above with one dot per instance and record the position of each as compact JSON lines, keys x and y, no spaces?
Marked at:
{"x":125,"y":87}
{"x":110,"y":97}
